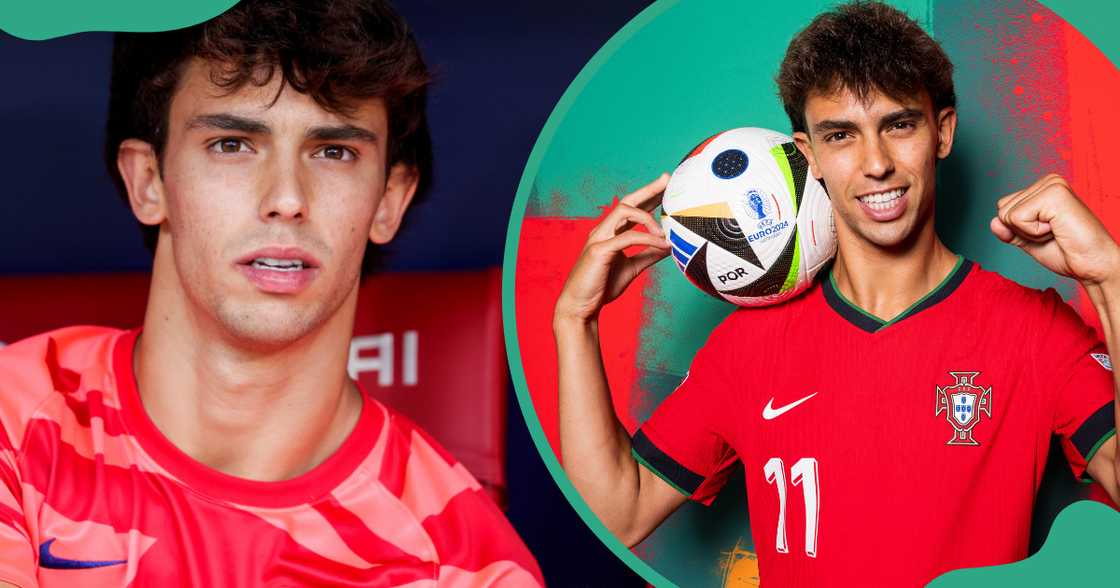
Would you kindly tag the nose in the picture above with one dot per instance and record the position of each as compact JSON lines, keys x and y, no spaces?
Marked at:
{"x":877,"y":160}
{"x":286,"y":194}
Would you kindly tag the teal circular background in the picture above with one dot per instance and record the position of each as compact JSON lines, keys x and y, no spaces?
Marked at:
{"x":680,"y":71}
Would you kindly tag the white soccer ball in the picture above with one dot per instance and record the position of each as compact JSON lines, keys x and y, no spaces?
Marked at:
{"x":747,"y":222}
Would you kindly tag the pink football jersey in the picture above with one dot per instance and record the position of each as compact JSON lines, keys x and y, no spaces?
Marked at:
{"x":92,"y":494}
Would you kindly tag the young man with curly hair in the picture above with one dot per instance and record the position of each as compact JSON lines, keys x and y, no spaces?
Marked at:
{"x":223,"y":443}
{"x":895,"y":422}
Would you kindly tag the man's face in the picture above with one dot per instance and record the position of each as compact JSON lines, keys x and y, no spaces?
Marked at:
{"x":266,"y":205}
{"x":877,"y":159}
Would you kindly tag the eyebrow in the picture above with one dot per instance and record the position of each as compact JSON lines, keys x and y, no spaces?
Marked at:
{"x":833,"y":125}
{"x":899,"y":116}
{"x":341,"y":133}
{"x":242,"y":124}
{"x":886,"y":121}
{"x":229,"y":122}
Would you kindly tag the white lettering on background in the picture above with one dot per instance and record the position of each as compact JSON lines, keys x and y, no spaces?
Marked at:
{"x":377,"y":353}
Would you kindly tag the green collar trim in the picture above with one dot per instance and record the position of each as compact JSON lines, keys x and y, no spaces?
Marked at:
{"x":871,"y":323}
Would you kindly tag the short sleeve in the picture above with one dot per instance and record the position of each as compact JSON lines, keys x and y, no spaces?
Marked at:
{"x":1076,"y":366}
{"x":683,"y":442}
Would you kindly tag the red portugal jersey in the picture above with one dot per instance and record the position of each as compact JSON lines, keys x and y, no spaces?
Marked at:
{"x":886,"y":453}
{"x":92,"y":494}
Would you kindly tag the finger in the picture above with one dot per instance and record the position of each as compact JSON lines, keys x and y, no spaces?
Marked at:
{"x":608,"y":227}
{"x":614,"y":245}
{"x":1005,"y":204}
{"x":635,"y":216}
{"x":1033,"y":231}
{"x":1000,"y":230}
{"x":1050,"y":179}
{"x":652,"y":204}
{"x":1038,"y":185}
{"x":622,"y":218}
{"x":1002,"y":202}
{"x":1026,"y":220}
{"x":648,"y":195}
{"x":1014,"y":199}
{"x":1005,"y":234}
{"x":647,"y":257}
{"x":1016,"y":220}
{"x":1030,"y":217}
{"x":1013,"y":202}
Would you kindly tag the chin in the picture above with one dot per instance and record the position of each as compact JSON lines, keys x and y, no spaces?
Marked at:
{"x":269,"y":325}
{"x":897,"y":235}
{"x":887,"y":239}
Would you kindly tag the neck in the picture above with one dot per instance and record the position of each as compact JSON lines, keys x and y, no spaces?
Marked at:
{"x":886,"y":281}
{"x":259,"y":413}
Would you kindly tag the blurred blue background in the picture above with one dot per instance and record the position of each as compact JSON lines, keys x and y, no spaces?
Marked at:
{"x":500,"y":68}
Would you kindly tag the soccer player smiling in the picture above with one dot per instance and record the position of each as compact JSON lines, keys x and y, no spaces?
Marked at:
{"x":223,"y":444}
{"x":876,"y":156}
{"x":900,"y":425}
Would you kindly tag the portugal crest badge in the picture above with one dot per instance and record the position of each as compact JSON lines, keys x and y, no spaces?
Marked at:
{"x":962,"y":403}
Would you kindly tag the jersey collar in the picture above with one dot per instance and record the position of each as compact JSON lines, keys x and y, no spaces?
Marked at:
{"x":301,"y":490}
{"x":873,"y":324}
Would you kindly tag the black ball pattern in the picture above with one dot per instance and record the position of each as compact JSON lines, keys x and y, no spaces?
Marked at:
{"x":729,"y":228}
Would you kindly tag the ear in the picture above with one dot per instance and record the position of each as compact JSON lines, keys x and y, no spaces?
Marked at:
{"x":946,"y":131}
{"x":139,"y":166}
{"x":399,"y":190}
{"x":805,"y":146}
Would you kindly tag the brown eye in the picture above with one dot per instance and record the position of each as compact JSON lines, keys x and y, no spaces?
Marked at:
{"x":337,"y":152}
{"x":229,"y":145}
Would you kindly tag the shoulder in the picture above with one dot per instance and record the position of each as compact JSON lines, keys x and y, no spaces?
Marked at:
{"x":987,"y":283}
{"x":755,"y":319}
{"x":71,"y":343}
{"x":416,"y":465}
{"x":57,"y":361}
{"x":1041,"y":315}
{"x":47,"y":360}
{"x":1008,"y":296}
{"x":452,"y":508}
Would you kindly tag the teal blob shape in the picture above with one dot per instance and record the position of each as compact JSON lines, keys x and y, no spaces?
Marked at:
{"x":47,"y":19}
{"x":1080,"y":550}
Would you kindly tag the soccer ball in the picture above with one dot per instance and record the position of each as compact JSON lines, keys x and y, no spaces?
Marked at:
{"x":747,"y":222}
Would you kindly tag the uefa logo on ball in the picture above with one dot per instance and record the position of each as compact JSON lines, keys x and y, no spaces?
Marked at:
{"x":758,"y":206}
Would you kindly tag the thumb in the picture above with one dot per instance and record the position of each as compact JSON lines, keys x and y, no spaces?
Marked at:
{"x":1000,"y":230}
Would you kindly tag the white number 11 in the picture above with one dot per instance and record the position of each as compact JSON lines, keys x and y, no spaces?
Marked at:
{"x":804,"y":474}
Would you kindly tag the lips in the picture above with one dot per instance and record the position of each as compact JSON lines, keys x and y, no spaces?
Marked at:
{"x":279,"y":270}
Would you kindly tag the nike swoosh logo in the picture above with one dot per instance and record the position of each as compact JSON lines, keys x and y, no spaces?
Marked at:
{"x":47,"y":560}
{"x":769,"y":412}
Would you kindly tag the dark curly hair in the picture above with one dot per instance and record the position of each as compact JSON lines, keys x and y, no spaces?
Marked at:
{"x":864,"y":47}
{"x":338,"y":53}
